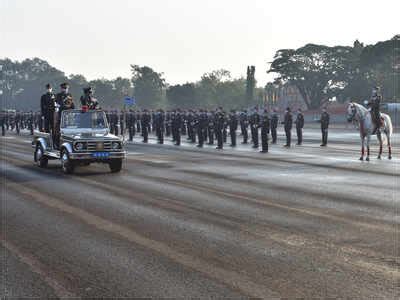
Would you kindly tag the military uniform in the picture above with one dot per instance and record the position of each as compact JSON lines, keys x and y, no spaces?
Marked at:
{"x":233,"y":126}
{"x":145,"y":120}
{"x":88,"y":100}
{"x":131,"y":124}
{"x":265,"y":126}
{"x":244,"y":125}
{"x":210,"y":128}
{"x":219,"y":126}
{"x":168,"y":123}
{"x":274,"y":127}
{"x":299,"y":127}
{"x":3,"y":122}
{"x":190,"y":121}
{"x":288,"y":123}
{"x":160,"y":125}
{"x":17,"y":121}
{"x":254,"y":124}
{"x":324,"y":127}
{"x":47,"y":107}
{"x":177,"y":120}
{"x":374,"y":104}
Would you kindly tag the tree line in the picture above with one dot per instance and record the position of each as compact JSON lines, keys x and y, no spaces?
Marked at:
{"x":320,"y":73}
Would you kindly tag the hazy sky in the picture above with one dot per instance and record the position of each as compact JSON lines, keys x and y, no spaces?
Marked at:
{"x":183,"y":38}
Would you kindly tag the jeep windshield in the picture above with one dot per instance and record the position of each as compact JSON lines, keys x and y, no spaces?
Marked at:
{"x":76,"y":119}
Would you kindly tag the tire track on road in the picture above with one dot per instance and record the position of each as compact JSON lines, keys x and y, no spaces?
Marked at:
{"x":37,"y":268}
{"x":233,"y":279}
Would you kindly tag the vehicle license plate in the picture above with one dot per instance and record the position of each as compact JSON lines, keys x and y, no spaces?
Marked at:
{"x":100,"y":154}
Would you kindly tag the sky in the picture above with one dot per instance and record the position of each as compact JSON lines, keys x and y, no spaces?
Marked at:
{"x":183,"y":38}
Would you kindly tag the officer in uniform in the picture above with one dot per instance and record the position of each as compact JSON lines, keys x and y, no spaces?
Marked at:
{"x":299,"y":126}
{"x":288,"y":122}
{"x":88,"y":100}
{"x":274,"y":126}
{"x":168,"y":123}
{"x":219,"y":126}
{"x":146,"y":120}
{"x":265,"y":125}
{"x":324,"y":127}
{"x":17,"y":121}
{"x":210,"y":127}
{"x":64,"y":101}
{"x":200,"y":125}
{"x":47,"y":108}
{"x":160,"y":125}
{"x":190,"y":121}
{"x":3,"y":122}
{"x":177,"y":119}
{"x":244,"y":125}
{"x":233,"y":126}
{"x":184,"y":123}
{"x":225,"y":128}
{"x":374,"y":104}
{"x":31,"y":122}
{"x":131,"y":122}
{"x":254,"y":124}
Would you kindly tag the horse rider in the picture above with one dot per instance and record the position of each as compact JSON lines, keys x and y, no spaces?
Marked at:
{"x":374,"y":105}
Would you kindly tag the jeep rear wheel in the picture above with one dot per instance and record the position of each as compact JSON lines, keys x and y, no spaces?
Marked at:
{"x":39,"y":157}
{"x":115,"y":165}
{"x":66,"y":163}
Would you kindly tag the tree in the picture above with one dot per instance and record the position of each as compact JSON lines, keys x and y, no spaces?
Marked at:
{"x":319,"y":72}
{"x":147,"y":86}
{"x":250,"y":84}
{"x":380,"y":65}
{"x":22,"y":83}
{"x":181,"y":95}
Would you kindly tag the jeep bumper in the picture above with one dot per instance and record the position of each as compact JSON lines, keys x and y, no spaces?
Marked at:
{"x":89,"y":156}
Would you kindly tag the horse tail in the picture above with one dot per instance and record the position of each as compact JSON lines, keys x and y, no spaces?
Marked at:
{"x":388,"y":127}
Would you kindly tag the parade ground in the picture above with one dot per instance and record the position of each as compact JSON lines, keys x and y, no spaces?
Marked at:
{"x":308,"y":221}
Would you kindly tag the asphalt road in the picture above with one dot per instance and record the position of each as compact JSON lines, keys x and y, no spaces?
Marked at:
{"x":187,"y":222}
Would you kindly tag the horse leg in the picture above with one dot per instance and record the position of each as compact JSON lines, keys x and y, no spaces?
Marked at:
{"x":368,"y":140}
{"x":362,"y":149}
{"x":389,"y":145}
{"x":379,"y":136}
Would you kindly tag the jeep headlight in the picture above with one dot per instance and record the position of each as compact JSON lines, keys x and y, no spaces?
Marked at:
{"x":116,"y":145}
{"x":79,"y":146}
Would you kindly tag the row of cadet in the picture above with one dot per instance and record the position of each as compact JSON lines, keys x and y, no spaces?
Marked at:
{"x":212,"y":126}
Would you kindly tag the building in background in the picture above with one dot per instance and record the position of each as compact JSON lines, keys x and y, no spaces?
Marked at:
{"x":281,"y":96}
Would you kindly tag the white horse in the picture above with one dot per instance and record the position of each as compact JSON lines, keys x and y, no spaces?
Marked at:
{"x":358,"y":113}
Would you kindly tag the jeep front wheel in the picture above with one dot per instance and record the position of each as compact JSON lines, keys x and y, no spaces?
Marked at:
{"x":40,"y":159}
{"x":115,"y":165}
{"x":66,"y":163}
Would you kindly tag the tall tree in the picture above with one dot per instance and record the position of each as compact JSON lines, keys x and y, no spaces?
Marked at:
{"x":250,"y":84}
{"x":380,"y":65}
{"x":319,"y":72}
{"x":147,"y":86}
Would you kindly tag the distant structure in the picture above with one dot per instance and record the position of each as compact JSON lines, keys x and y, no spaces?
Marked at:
{"x":282,"y":96}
